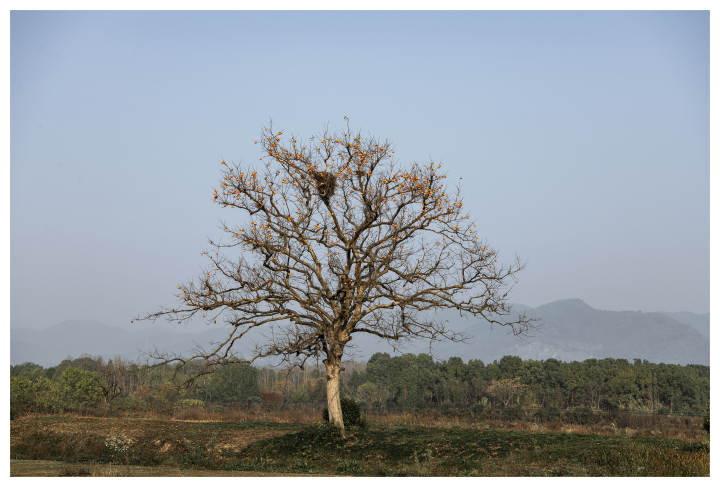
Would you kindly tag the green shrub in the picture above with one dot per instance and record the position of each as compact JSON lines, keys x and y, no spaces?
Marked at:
{"x":80,"y":389}
{"x":477,"y":410}
{"x":231,"y":383}
{"x":609,"y":406}
{"x":28,"y":370}
{"x":706,"y":420}
{"x":39,"y":395}
{"x":129,"y":403}
{"x":350,"y":411}
{"x":546,"y":415}
{"x":21,"y":396}
{"x":299,"y":395}
{"x":47,"y":395}
{"x":581,"y":416}
{"x":513,"y":414}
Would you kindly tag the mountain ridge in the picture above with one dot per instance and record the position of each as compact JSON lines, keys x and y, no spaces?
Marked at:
{"x":569,"y":329}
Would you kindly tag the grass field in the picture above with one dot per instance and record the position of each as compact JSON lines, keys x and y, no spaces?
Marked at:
{"x":72,"y":445}
{"x":52,"y":468}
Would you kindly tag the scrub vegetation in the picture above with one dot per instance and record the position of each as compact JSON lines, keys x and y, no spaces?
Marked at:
{"x":83,"y":443}
{"x":432,"y":418}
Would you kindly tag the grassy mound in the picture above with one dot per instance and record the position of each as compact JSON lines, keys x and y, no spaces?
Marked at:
{"x":286,"y":448}
{"x":448,"y":452}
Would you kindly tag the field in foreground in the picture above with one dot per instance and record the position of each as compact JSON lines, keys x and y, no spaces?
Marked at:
{"x":157,"y":447}
{"x":52,"y":468}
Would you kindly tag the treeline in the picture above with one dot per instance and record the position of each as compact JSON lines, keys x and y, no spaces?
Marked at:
{"x":90,"y":384}
{"x":416,"y":381}
{"x":384,"y":383}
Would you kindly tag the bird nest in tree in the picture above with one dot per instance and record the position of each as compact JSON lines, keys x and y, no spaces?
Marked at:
{"x":325,"y":184}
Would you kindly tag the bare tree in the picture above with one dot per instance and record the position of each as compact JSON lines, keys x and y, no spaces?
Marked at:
{"x":338,"y":240}
{"x":118,"y":378}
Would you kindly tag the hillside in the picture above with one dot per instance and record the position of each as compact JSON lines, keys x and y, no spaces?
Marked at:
{"x":567,"y":330}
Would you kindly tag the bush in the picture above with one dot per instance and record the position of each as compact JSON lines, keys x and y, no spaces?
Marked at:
{"x":22,"y":399}
{"x":80,"y":389}
{"x":39,"y":395}
{"x":129,"y":403}
{"x":231,"y":383}
{"x":609,"y":406}
{"x":47,"y":395}
{"x":581,"y":416}
{"x":546,"y":415}
{"x":299,"y":396}
{"x":477,"y":410}
{"x":513,"y":414}
{"x":350,"y":411}
{"x":706,"y":420}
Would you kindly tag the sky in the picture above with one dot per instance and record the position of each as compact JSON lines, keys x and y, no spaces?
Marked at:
{"x":582,"y":141}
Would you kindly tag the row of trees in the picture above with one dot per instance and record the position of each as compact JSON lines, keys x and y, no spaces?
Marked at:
{"x":86,"y":383}
{"x":416,"y":381}
{"x":385,"y":382}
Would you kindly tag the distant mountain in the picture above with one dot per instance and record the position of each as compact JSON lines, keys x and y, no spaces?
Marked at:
{"x":76,"y":338}
{"x":700,"y":322}
{"x":569,"y":329}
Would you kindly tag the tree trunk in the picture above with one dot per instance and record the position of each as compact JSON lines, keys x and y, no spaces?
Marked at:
{"x":333,"y":395}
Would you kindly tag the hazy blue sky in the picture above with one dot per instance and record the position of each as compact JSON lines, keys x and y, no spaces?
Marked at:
{"x":582,"y":140}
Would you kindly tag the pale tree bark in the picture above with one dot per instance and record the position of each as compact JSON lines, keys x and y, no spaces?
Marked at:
{"x":333,"y":369}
